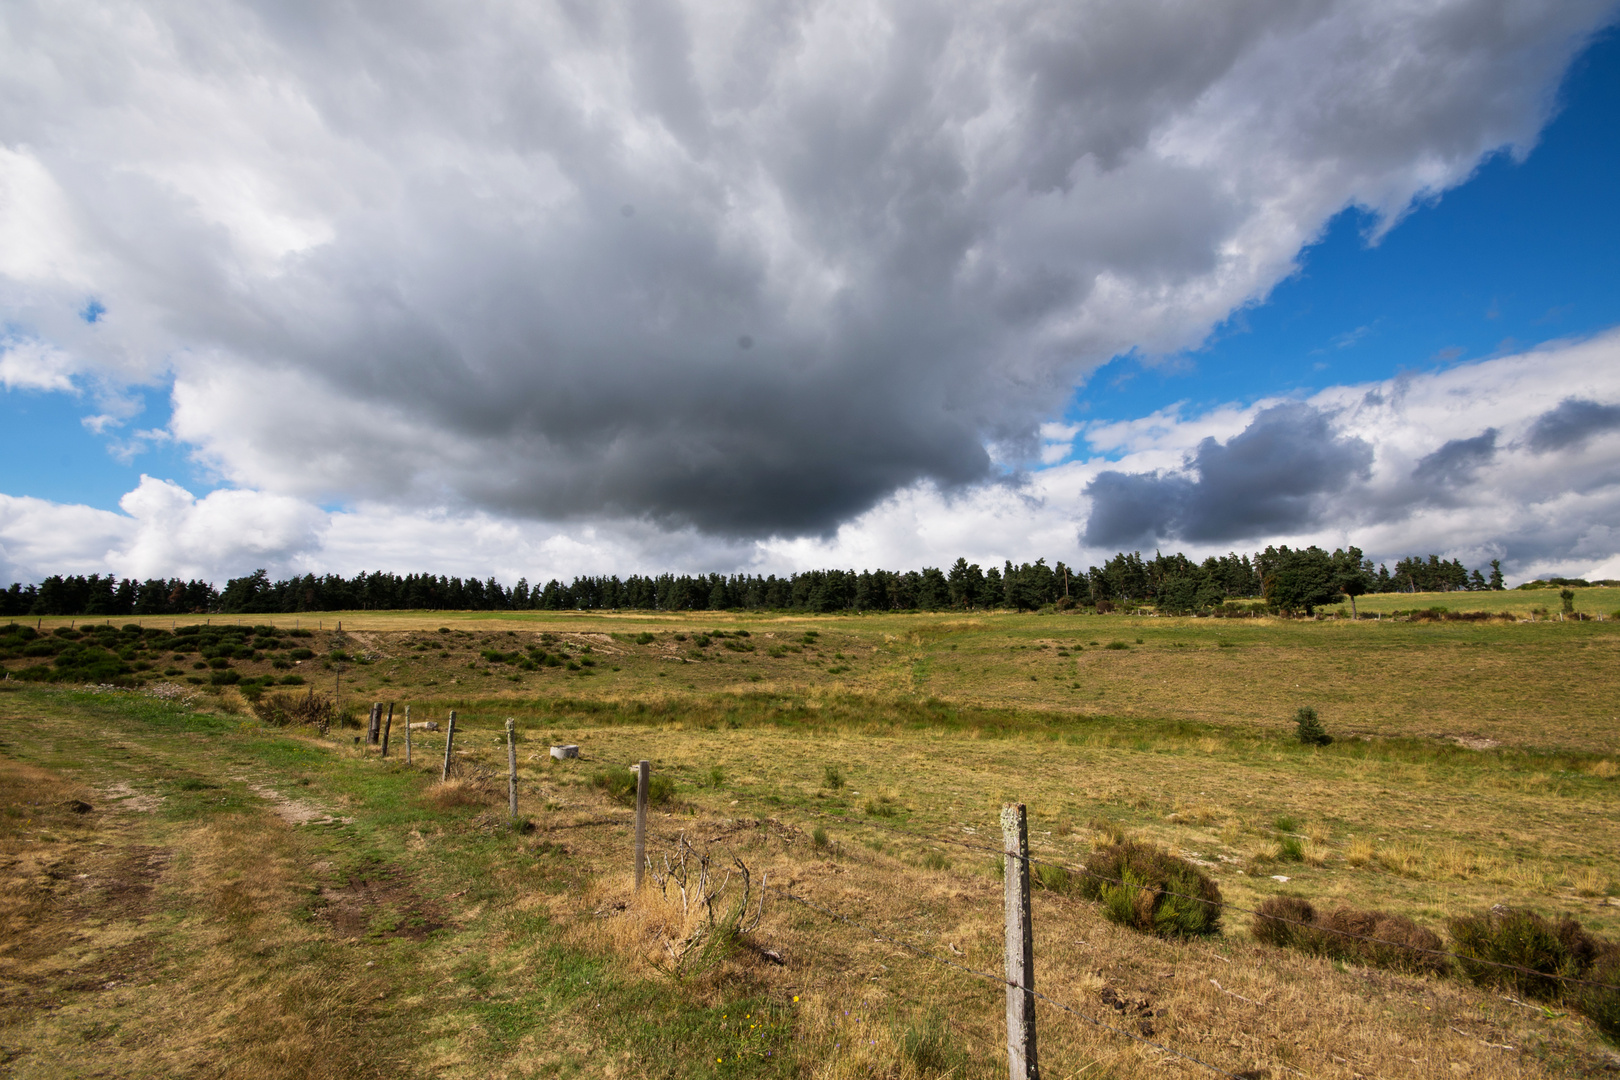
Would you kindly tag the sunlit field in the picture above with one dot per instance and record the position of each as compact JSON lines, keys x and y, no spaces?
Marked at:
{"x":362,"y":917}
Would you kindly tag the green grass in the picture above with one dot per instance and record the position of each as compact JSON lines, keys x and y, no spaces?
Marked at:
{"x":497,"y":974}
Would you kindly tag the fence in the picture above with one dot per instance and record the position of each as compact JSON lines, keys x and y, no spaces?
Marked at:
{"x":1018,"y":976}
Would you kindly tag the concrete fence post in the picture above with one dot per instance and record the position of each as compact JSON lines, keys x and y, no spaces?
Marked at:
{"x":1021,"y":1059}
{"x":511,"y":766}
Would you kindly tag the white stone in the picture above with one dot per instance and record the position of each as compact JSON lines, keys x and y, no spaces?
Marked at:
{"x":561,"y":752}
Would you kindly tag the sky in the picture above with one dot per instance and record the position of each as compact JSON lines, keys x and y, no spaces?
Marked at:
{"x":546,"y":289}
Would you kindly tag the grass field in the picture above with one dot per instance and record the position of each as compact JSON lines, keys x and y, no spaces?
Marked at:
{"x":244,"y":900}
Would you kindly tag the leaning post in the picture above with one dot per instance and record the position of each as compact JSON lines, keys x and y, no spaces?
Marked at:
{"x":1021,"y":1060}
{"x":407,"y":734}
{"x":388,"y":725}
{"x":449,"y":741}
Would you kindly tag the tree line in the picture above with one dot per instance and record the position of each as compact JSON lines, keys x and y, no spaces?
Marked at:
{"x":1298,"y":579}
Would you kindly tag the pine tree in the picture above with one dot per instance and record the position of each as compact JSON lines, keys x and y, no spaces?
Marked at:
{"x":1311,"y":731}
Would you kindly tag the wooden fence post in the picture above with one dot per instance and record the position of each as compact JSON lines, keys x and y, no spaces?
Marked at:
{"x":449,"y":741}
{"x":374,"y":728}
{"x":407,"y":734}
{"x":511,"y":767}
{"x":643,"y":772}
{"x":1021,"y":1060}
{"x":388,"y":725}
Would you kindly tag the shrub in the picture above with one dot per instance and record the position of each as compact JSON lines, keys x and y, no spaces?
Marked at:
{"x":1291,"y":849}
{"x":818,"y":837}
{"x":620,"y":785}
{"x":717,"y":776}
{"x":225,"y":678}
{"x":1598,"y":1003}
{"x":1550,"y":951}
{"x":1147,"y":888}
{"x":644,"y":638}
{"x":832,"y":777}
{"x":1311,"y":731}
{"x":1116,"y":645}
{"x":1292,"y":923}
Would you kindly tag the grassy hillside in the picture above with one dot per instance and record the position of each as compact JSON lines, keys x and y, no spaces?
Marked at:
{"x":356,"y":917}
{"x":1602,"y":602}
{"x":1545,"y":684}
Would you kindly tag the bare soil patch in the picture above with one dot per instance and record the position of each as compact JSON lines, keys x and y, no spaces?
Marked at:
{"x":381,"y":903}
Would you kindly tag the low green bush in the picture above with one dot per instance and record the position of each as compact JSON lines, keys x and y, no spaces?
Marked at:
{"x":1142,"y":886}
{"x":644,"y":638}
{"x":1343,"y":934}
{"x":832,"y":777}
{"x":1541,"y":952}
{"x":1599,"y":1003}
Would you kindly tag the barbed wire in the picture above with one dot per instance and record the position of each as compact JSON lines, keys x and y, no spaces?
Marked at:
{"x":1083,"y":871}
{"x":998,"y":979}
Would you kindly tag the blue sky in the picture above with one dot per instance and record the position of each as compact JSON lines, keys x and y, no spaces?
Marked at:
{"x":1523,"y":253}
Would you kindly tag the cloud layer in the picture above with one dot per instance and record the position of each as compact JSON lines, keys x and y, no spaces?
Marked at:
{"x":728,"y":271}
{"x":1455,"y":462}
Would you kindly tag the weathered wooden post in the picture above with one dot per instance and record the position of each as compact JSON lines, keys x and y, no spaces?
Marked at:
{"x":374,"y":727}
{"x":511,"y":767}
{"x":1021,"y":1061}
{"x":643,"y":773}
{"x":449,"y":741}
{"x":387,"y":726}
{"x":407,"y":734}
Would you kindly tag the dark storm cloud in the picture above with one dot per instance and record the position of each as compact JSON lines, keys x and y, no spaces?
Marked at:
{"x":1571,"y":423}
{"x":1457,"y":461}
{"x":501,"y":256}
{"x":1271,"y":478}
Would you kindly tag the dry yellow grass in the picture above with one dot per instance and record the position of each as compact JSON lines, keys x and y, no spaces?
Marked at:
{"x":1426,"y":828}
{"x":1239,"y":1006}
